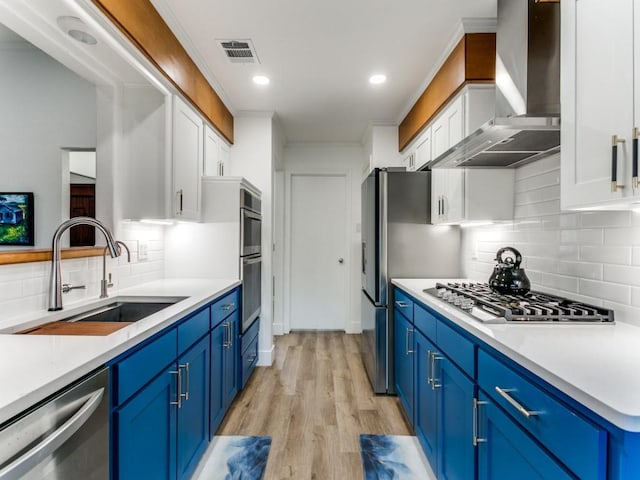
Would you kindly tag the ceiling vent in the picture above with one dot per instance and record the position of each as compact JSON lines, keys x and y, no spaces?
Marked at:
{"x":239,"y":51}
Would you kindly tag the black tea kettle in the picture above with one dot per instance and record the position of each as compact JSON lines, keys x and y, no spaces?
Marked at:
{"x":507,"y":277}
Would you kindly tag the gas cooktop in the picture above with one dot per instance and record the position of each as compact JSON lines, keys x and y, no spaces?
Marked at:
{"x":479,"y":301}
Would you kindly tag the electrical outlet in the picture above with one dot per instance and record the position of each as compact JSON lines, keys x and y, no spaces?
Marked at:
{"x":143,"y":251}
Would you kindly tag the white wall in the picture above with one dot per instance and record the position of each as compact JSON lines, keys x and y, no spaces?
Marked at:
{"x":252,"y":157}
{"x":45,"y":108}
{"x":590,"y":256}
{"x":332,"y":158}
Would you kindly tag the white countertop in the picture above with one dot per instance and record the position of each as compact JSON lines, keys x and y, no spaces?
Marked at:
{"x":597,"y":365}
{"x":32,"y":367}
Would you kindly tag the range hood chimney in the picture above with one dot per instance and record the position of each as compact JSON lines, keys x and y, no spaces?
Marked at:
{"x":527,"y":122}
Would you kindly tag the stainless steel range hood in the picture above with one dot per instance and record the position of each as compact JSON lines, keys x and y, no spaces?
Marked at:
{"x":527,"y":122}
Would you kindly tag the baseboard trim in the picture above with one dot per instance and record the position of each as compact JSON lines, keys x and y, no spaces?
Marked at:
{"x":265,"y":357}
{"x":354,"y":327}
{"x":277,"y":328}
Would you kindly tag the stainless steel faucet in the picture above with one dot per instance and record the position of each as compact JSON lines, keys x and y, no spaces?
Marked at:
{"x":104,"y":284}
{"x":55,"y":281}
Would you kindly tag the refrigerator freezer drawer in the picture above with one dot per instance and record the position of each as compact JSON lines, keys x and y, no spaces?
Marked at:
{"x":374,"y":344}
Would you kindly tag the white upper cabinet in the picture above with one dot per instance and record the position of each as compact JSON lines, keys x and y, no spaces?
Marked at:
{"x":188,"y":133}
{"x":381,"y":148}
{"x":216,"y":153}
{"x":599,"y":102}
{"x":448,"y":128}
{"x":423,"y":149}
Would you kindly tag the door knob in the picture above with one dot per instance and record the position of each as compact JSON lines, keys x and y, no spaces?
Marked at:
{"x":341,"y":260}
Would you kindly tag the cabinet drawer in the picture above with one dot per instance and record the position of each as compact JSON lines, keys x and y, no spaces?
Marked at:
{"x":139,"y":368}
{"x":426,"y":322}
{"x":223,"y":307}
{"x":249,"y":336}
{"x":249,"y":360}
{"x":403,"y":304}
{"x":457,"y":348}
{"x":192,"y":329}
{"x":577,"y":443}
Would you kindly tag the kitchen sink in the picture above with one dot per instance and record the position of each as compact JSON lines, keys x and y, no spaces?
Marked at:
{"x":125,"y":310}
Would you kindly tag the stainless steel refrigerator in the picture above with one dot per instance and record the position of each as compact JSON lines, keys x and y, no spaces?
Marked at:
{"x":397,"y":242}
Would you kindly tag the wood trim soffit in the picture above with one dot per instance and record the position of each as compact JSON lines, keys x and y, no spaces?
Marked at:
{"x":473,"y":60}
{"x":26,"y":256}
{"x":146,"y":29}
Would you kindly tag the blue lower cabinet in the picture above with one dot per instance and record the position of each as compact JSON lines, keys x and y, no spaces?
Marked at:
{"x":506,"y":451}
{"x":426,"y":400}
{"x":456,"y":453}
{"x":193,"y":412}
{"x":403,"y":343}
{"x":224,"y":368}
{"x":230,"y":363}
{"x":219,"y":336}
{"x":145,"y":429}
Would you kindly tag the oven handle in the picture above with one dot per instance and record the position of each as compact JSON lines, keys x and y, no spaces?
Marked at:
{"x":251,"y":215}
{"x":251,"y":260}
{"x":33,"y":457}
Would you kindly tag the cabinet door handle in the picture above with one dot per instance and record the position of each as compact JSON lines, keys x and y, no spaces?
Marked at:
{"x":178,"y":374}
{"x":429,"y":379}
{"x":435,"y":383}
{"x":185,"y":395}
{"x":504,"y":393}
{"x":408,"y":350}
{"x":230,"y":334}
{"x":364,"y":258}
{"x":225,"y":344}
{"x":179,"y":198}
{"x":476,"y":426}
{"x":615,"y":140}
{"x":634,"y":161}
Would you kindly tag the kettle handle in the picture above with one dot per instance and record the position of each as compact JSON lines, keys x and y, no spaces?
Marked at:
{"x":512,"y":250}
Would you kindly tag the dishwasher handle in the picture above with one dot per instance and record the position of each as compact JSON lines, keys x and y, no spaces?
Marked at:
{"x":22,"y":465}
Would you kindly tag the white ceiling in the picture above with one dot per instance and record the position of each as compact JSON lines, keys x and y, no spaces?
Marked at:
{"x":319,"y":56}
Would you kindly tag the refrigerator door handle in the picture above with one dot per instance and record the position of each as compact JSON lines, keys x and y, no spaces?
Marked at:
{"x":364,"y":258}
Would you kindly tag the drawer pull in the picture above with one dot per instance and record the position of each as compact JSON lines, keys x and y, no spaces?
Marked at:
{"x":402,"y":304}
{"x":229,"y":306}
{"x":476,"y":426}
{"x":504,"y":393}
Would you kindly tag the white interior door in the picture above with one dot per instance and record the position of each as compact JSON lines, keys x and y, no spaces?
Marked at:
{"x":318,"y":279}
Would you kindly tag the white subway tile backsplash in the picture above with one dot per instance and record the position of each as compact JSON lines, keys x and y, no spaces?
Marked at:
{"x":538,"y":181}
{"x":592,"y":271}
{"x":607,"y":291}
{"x":593,"y":257}
{"x":622,"y":236}
{"x":622,"y":274}
{"x":605,"y":219}
{"x":604,"y":254}
{"x":583,"y":237}
{"x":24,"y":287}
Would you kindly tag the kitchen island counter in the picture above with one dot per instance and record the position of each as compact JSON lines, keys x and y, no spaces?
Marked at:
{"x":32,"y":367}
{"x":596,"y":365}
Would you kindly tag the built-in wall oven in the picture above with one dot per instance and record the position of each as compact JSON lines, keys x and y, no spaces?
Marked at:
{"x":250,"y":256}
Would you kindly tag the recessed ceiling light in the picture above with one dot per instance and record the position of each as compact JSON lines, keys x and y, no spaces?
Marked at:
{"x":76,"y":29}
{"x":261,"y":80}
{"x":377,"y":79}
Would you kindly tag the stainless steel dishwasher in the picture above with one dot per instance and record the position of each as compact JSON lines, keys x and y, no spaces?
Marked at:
{"x":66,"y":437}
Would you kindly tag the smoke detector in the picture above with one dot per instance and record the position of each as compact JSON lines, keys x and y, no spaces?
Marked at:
{"x":239,"y":50}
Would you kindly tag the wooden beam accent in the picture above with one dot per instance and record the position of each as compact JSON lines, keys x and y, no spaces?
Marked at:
{"x":144,"y":26}
{"x":473,"y":60}
{"x":27,"y":256}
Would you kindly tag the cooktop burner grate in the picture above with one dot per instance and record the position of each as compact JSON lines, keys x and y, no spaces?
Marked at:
{"x":483,"y":303}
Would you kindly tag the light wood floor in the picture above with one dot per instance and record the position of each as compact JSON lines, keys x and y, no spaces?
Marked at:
{"x":314,"y":402}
